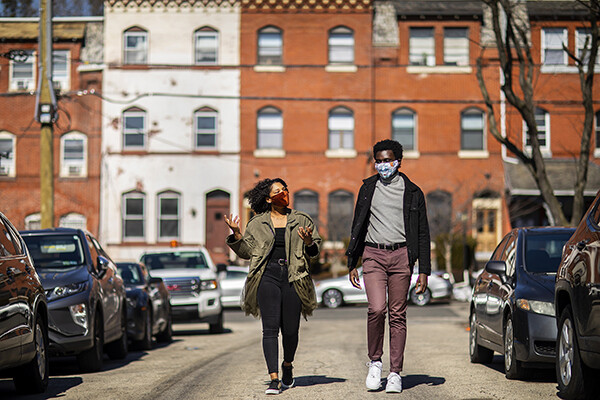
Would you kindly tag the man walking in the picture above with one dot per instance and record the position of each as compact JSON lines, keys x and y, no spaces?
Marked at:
{"x":390,"y":231}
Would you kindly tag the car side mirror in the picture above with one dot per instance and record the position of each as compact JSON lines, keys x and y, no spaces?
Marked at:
{"x":497,"y":267}
{"x":221,"y":267}
{"x":102,"y":264}
{"x":155,"y":281}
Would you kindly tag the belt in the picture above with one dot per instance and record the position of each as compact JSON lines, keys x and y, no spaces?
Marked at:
{"x":394,"y":246}
{"x":279,"y":261}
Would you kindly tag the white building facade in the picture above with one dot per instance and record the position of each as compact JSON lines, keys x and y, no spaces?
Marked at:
{"x":170,"y":136}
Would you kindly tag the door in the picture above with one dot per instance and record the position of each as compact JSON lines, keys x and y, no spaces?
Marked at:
{"x":586,"y":277}
{"x":499,"y":291}
{"x":217,"y":205}
{"x":107,"y":290}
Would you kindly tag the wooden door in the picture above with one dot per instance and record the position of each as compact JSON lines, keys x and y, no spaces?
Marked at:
{"x":217,"y":205}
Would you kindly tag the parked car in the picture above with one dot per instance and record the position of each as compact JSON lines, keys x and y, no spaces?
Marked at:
{"x":148,"y":306}
{"x":335,"y":292}
{"x":23,"y":315}
{"x":191,"y":278}
{"x":86,"y":296}
{"x":512,"y":306}
{"x":577,"y":303}
{"x":232,"y":284}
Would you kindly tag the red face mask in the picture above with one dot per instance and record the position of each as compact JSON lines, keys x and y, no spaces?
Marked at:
{"x":281,"y":199}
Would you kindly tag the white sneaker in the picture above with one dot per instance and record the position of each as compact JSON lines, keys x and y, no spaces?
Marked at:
{"x":394,"y":383}
{"x":374,"y":376}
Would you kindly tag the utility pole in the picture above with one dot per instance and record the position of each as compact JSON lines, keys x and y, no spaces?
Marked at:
{"x":46,"y":115}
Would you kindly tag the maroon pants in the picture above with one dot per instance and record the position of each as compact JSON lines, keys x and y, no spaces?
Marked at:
{"x":386,"y":275}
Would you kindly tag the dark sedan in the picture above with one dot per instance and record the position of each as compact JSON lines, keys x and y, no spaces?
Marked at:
{"x":148,"y":306}
{"x":512,"y":307}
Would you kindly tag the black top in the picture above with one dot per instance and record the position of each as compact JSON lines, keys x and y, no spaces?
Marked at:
{"x":279,"y":246}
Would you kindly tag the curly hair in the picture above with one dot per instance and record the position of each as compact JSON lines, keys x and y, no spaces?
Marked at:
{"x":257,"y":196}
{"x":389,"y":144}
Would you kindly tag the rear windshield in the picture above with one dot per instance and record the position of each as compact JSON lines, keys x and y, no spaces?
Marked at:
{"x":543,"y":252}
{"x":130,"y":273}
{"x":55,"y":251}
{"x":175,"y":259}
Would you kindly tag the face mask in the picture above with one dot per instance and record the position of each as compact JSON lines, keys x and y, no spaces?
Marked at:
{"x":281,"y":199}
{"x":387,"y":169}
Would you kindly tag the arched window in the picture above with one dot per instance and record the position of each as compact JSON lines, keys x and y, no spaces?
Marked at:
{"x":33,"y":221}
{"x":270,"y":46}
{"x":169,"y":215}
{"x":341,"y":128}
{"x":269,"y":126}
{"x":7,"y":154}
{"x":308,"y":201}
{"x":205,"y":128}
{"x":206,"y":45}
{"x":73,"y":220}
{"x":134,"y":129}
{"x":439,"y":212}
{"x":73,"y":155}
{"x":133,"y":215}
{"x":404,"y":128}
{"x":135,"y":46}
{"x":339,"y":214}
{"x":341,"y":45}
{"x":472,"y":130}
{"x":542,"y":121}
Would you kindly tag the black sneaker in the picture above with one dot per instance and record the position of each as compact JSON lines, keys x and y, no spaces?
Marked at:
{"x":287,"y":378}
{"x":274,"y":387}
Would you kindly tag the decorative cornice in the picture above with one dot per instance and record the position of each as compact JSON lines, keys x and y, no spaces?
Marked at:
{"x":324,"y":6}
{"x":171,"y":3}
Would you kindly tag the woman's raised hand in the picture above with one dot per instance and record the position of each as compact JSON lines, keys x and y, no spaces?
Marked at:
{"x":233,"y":222}
{"x":306,"y":235}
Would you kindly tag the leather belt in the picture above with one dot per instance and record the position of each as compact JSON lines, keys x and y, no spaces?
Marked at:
{"x":279,"y":261}
{"x":394,"y":246}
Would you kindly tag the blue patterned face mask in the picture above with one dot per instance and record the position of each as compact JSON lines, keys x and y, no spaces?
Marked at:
{"x":387,"y":169}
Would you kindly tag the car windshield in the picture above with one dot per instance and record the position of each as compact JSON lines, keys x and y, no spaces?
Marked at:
{"x":55,"y":251}
{"x":175,"y":259}
{"x":543,"y":252}
{"x":130,"y":273}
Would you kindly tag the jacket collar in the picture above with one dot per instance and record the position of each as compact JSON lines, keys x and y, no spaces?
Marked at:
{"x":265,"y":218}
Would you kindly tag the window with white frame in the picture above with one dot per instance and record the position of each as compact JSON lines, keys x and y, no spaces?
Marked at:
{"x":472,"y":130}
{"x":73,"y":155}
{"x":341,"y":45}
{"x":60,"y":69}
{"x":403,"y":128}
{"x":269,"y":124}
{"x":597,"y":127}
{"x":168,"y":216}
{"x":340,"y":209}
{"x":33,"y":222}
{"x":341,"y":128}
{"x":22,"y":75}
{"x":421,"y":45}
{"x":134,"y":129}
{"x":133,"y":216}
{"x":135,"y":46}
{"x":73,"y":220}
{"x":7,"y":154}
{"x":581,"y":36}
{"x":542,"y":121}
{"x":456,"y":46}
{"x":206,"y":44}
{"x":205,"y":127}
{"x":553,"y":40}
{"x":270,"y":46}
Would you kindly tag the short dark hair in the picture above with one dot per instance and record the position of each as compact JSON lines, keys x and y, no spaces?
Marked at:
{"x":257,"y":196}
{"x":388,"y":144}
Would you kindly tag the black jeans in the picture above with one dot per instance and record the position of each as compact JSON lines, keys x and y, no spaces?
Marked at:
{"x":280,"y":307}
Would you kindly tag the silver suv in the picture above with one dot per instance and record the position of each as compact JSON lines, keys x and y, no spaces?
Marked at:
{"x":191,"y":278}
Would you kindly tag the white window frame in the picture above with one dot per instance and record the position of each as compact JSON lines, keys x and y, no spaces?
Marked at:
{"x":407,"y":152}
{"x":126,"y":51}
{"x":134,"y":113}
{"x":597,"y":134}
{"x":456,"y":49}
{"x":272,"y":59}
{"x":580,"y":36}
{"x":426,"y":57}
{"x":473,"y":111}
{"x":343,"y":130}
{"x":73,"y":220}
{"x":160,"y":217}
{"x":565,"y":39}
{"x":133,"y":217}
{"x":61,"y":82}
{"x":546,"y":149}
{"x":23,"y":84}
{"x":340,"y":38}
{"x":198,"y":131}
{"x":206,"y":33}
{"x":269,"y":121}
{"x":8,"y":165}
{"x":33,"y":221}
{"x":73,"y":168}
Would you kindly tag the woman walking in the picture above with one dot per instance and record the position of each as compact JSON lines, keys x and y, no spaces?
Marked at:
{"x":279,"y":242}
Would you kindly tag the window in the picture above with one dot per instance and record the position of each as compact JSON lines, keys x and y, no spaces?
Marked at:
{"x":270,"y":46}
{"x":133,"y":214}
{"x":542,"y":120}
{"x":206,"y":45}
{"x":22,"y":75}
{"x":33,"y":222}
{"x":7,"y":154}
{"x":135,"y":46}
{"x":341,"y":46}
{"x":472,"y":130}
{"x":134,"y":128}
{"x":205,"y":127}
{"x":168,"y":216}
{"x":552,"y":46}
{"x":421,"y":46}
{"x":60,"y":69}
{"x":73,"y":155}
{"x":456,"y":46}
{"x":270,"y":128}
{"x":597,"y":123}
{"x":73,"y":220}
{"x":341,"y":128}
{"x":582,"y":35}
{"x":339,"y":214}
{"x":308,"y":201}
{"x":403,"y":128}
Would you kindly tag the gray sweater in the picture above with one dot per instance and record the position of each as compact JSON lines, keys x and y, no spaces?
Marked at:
{"x":386,"y":224}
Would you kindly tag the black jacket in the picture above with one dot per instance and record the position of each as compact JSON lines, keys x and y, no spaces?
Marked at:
{"x":415,"y":223}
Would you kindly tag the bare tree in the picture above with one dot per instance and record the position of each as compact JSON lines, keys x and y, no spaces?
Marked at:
{"x":511,"y":30}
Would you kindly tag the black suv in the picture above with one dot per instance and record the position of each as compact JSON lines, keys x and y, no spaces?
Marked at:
{"x":86,"y":296}
{"x":577,"y":304}
{"x":23,"y":315}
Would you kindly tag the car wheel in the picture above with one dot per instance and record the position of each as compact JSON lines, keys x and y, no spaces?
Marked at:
{"x":166,"y":335}
{"x":420,"y":299}
{"x":117,"y":350}
{"x":512,"y":367}
{"x":33,"y":376}
{"x":146,"y":342}
{"x":217,"y":327}
{"x":332,"y":298}
{"x":477,"y":353}
{"x":90,"y":360}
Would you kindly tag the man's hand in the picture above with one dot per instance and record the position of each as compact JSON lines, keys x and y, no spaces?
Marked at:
{"x":421,"y":283}
{"x":354,"y":278}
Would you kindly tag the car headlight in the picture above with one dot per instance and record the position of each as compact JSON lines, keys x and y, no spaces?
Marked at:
{"x":64,"y":291}
{"x":208,"y":285}
{"x":538,"y":307}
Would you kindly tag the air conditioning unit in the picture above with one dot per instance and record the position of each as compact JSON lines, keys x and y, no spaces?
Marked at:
{"x":4,"y":170}
{"x":74,"y":170}
{"x":23,"y":84}
{"x":59,"y":86}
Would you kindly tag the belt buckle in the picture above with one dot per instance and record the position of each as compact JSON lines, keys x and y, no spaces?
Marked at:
{"x":282,"y":262}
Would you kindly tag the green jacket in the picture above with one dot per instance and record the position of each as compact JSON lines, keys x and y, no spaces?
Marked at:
{"x":256,"y":246}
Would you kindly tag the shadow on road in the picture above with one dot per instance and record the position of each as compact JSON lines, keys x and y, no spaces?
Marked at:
{"x":192,"y":332}
{"x":411,"y":381}
{"x":311,"y":380}
{"x":544,"y":375}
{"x":56,"y":388}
